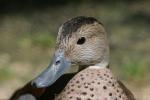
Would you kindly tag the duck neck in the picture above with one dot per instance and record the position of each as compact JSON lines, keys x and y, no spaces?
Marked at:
{"x":104,"y":63}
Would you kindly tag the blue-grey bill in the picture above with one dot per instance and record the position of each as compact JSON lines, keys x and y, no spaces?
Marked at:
{"x":59,"y":65}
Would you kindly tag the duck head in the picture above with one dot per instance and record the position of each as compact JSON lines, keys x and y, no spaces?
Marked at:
{"x":81,"y":41}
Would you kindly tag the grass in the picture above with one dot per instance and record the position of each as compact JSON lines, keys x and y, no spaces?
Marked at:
{"x":133,"y":71}
{"x":5,"y":74}
{"x":44,"y":40}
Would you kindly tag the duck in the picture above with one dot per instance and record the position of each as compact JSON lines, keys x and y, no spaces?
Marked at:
{"x":83,"y":41}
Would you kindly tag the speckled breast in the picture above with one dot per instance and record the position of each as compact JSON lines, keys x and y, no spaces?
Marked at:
{"x":93,"y":84}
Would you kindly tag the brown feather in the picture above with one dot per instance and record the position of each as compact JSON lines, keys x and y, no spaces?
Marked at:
{"x":127,"y":91}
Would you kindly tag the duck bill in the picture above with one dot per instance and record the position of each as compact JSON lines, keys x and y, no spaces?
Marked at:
{"x":58,"y":67}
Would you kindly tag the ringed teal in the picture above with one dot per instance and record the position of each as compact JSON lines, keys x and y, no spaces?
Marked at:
{"x":83,"y":41}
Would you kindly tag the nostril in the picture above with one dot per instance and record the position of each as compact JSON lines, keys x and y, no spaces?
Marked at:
{"x":34,"y":84}
{"x":57,"y":62}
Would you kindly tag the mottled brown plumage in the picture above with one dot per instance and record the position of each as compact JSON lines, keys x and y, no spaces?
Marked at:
{"x":93,"y":84}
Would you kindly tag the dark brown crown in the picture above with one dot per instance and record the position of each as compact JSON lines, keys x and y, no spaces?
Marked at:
{"x":75,"y":23}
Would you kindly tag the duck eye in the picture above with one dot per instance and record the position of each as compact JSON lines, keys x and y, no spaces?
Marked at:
{"x":81,"y":40}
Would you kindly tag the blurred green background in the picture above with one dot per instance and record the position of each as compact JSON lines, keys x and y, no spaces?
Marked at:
{"x":28,"y":29}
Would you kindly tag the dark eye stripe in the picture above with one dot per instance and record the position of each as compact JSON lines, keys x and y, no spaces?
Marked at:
{"x":81,"y":41}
